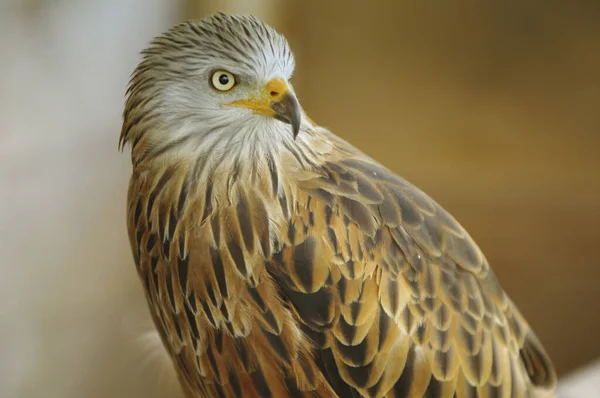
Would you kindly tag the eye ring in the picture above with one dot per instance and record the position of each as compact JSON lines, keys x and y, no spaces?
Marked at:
{"x":222,"y":81}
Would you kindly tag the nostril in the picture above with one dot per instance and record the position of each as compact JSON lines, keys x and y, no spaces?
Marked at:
{"x":273,"y":93}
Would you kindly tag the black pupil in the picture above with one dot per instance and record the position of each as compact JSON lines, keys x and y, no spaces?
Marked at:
{"x":224,"y":79}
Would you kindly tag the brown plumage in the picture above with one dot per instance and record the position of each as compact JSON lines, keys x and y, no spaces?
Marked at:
{"x":279,"y":266}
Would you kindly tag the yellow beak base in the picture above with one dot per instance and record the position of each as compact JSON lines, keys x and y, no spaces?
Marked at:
{"x":276,"y":101}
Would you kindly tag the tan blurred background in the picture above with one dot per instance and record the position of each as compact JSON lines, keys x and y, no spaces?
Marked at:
{"x":490,"y":107}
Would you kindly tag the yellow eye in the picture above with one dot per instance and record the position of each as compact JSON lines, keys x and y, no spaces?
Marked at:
{"x":222,"y":80}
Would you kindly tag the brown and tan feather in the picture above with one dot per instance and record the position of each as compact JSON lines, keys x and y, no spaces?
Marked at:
{"x":264,"y":291}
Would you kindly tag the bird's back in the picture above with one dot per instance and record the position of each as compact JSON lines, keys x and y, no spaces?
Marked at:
{"x":347,"y":281}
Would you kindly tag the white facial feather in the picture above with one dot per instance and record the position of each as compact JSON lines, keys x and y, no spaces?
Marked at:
{"x":171,"y":103}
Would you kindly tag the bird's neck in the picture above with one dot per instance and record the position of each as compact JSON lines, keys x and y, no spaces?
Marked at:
{"x":213,"y":172}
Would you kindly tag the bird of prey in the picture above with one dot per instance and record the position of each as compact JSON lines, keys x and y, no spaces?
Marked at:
{"x":278,"y":260}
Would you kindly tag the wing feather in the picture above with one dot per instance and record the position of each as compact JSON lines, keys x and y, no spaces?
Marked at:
{"x":415,"y":309}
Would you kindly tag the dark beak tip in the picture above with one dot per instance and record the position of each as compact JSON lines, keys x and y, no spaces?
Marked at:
{"x":288,"y":110}
{"x":295,"y":122}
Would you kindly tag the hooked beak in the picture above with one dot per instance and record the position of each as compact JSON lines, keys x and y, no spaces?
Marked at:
{"x":277,"y":101}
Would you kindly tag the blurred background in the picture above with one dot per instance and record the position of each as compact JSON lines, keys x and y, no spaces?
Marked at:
{"x":489,"y":107}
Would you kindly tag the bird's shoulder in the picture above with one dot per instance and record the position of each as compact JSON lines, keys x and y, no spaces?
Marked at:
{"x":376,"y":270}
